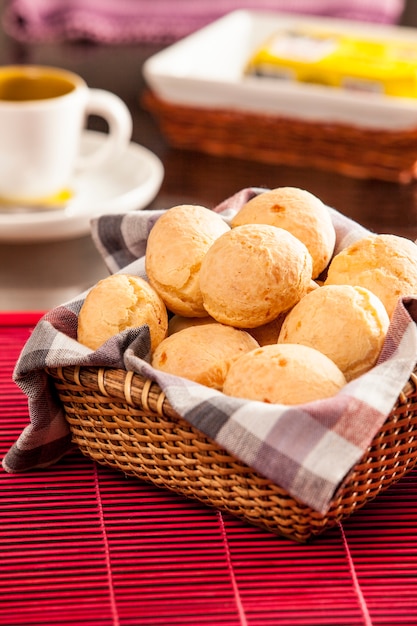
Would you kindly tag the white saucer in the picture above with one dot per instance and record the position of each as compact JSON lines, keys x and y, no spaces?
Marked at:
{"x":131,"y":182}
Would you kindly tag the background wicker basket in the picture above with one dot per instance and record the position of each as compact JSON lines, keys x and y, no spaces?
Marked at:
{"x":121,"y":420}
{"x":352,"y":151}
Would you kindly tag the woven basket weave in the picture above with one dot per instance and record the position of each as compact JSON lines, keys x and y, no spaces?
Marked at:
{"x":121,"y":420}
{"x":352,"y":151}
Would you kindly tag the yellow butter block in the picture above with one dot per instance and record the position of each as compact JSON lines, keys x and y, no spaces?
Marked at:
{"x":338,"y":60}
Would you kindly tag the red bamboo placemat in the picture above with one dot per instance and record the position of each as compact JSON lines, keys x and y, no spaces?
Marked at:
{"x":80,"y":544}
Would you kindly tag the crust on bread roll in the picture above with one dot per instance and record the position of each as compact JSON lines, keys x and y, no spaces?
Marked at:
{"x":384,"y":264}
{"x":116,"y":303}
{"x":252,"y":274}
{"x":264,"y":335}
{"x":268,"y":333}
{"x":202,"y":353}
{"x":283,"y":374}
{"x":348,"y":324}
{"x":179,"y":322}
{"x":298,"y":211}
{"x":175,"y":249}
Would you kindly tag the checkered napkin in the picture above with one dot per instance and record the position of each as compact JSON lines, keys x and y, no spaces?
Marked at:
{"x":121,"y":21}
{"x":306,"y":449}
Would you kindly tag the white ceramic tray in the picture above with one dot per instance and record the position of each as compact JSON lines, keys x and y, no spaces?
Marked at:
{"x":206,"y":69}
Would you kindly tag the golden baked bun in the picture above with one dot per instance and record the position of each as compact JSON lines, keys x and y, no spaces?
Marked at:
{"x":268,"y":333}
{"x":283,"y":374}
{"x":384,"y":264}
{"x":298,"y":211}
{"x":253,"y":273}
{"x":179,"y":322}
{"x":264,"y":335}
{"x":347,"y":323}
{"x":202,"y":353}
{"x":175,"y":248}
{"x":116,"y":303}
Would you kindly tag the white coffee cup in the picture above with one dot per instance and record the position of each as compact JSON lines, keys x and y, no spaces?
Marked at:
{"x":43,"y":113}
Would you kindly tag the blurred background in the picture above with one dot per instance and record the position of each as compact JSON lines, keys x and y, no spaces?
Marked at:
{"x":41,"y":274}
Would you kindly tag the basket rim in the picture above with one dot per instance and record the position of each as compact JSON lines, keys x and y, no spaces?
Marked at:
{"x":137,"y":390}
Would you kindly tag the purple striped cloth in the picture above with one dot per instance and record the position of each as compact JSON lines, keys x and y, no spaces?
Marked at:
{"x":306,"y":449}
{"x":121,"y":21}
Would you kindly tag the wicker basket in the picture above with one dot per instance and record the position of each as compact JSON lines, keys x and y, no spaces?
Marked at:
{"x":121,"y":420}
{"x":352,"y":151}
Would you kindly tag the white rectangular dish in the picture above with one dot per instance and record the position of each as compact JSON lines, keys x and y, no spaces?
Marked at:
{"x":206,"y":69}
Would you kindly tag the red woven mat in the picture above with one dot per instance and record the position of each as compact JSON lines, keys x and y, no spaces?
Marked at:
{"x":80,"y":544}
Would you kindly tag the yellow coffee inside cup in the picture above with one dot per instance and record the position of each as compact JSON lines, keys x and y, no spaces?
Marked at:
{"x":20,"y":85}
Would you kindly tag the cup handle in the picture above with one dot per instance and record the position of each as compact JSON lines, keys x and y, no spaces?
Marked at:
{"x":111,"y":108}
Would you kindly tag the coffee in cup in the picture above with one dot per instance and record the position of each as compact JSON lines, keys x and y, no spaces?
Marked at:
{"x":43,"y":113}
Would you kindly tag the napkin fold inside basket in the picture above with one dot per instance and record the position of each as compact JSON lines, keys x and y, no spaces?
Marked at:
{"x":121,"y":21}
{"x":306,"y":449}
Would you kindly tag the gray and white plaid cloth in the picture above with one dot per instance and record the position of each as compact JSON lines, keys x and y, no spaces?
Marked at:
{"x":306,"y":449}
